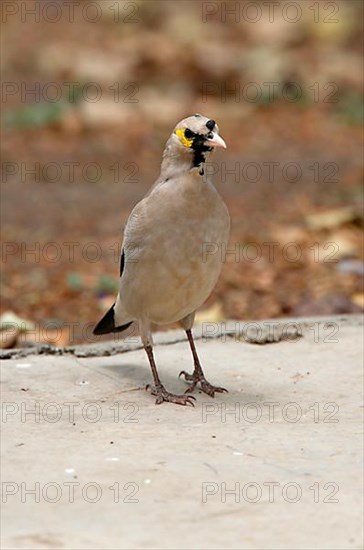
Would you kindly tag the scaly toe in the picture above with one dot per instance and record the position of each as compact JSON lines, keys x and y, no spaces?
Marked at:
{"x":163,"y":395}
{"x":210,"y":390}
{"x":191,"y":388}
{"x":177,"y":399}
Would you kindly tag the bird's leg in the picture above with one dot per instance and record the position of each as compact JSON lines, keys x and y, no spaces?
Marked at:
{"x":159,"y":390}
{"x":198,"y":376}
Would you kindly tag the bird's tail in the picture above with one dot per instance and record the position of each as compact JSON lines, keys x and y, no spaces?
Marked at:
{"x":107,"y":323}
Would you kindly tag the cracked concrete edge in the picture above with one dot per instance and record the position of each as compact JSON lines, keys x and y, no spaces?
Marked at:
{"x":251,"y":332}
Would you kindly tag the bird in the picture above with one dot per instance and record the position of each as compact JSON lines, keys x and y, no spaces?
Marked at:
{"x":165,"y":272}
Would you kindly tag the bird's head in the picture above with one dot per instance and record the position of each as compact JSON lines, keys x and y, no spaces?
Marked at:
{"x":191,"y":142}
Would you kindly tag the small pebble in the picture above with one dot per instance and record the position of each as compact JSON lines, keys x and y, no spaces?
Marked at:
{"x":82,"y":382}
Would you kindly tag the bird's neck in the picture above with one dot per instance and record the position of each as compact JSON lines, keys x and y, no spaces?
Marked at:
{"x":177,"y":163}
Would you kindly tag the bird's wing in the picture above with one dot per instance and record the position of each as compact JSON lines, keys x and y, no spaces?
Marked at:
{"x":134,"y":233}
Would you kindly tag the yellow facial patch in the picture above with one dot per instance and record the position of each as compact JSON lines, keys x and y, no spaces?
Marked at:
{"x":180,"y":133}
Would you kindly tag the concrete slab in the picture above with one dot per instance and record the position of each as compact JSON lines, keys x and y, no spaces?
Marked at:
{"x":88,"y":460}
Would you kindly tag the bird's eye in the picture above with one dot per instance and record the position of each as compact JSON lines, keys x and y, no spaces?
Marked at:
{"x":188,"y":133}
{"x":211,"y":124}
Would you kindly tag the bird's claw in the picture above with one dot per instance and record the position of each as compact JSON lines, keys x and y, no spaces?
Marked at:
{"x":208,"y":388}
{"x":187,"y":376}
{"x":205,"y":386}
{"x":163,"y":395}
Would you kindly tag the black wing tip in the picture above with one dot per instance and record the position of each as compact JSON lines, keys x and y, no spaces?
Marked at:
{"x":107,"y":324}
{"x":121,"y":328}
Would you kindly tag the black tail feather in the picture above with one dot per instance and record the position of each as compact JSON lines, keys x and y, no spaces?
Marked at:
{"x":107,"y":324}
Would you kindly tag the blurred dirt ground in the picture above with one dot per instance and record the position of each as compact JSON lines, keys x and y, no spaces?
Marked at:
{"x":296,"y":236}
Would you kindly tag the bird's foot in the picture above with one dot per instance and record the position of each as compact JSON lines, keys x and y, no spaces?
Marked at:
{"x":163,"y":395}
{"x":198,"y":378}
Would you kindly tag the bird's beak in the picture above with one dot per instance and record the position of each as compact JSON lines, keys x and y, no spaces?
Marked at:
{"x":216,"y":141}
